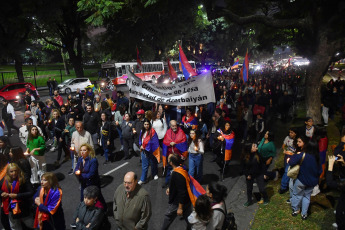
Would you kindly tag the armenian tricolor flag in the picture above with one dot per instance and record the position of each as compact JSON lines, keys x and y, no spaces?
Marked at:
{"x":172,"y":72}
{"x":229,"y":141}
{"x":181,"y":146}
{"x":235,"y":65}
{"x":192,"y":121}
{"x":245,"y":68}
{"x":151,"y":144}
{"x":140,"y":64}
{"x":193,"y":187}
{"x":186,"y":68}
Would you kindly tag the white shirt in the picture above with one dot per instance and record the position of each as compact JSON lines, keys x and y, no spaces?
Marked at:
{"x":10,"y":110}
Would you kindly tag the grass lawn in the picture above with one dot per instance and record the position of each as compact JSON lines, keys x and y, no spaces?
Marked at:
{"x":43,"y":73}
{"x":277,"y":214}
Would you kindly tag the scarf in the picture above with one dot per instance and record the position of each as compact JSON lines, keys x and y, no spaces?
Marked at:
{"x":8,"y":202}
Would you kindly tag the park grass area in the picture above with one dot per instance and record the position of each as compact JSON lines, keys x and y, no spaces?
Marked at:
{"x":277,"y":214}
{"x":43,"y":72}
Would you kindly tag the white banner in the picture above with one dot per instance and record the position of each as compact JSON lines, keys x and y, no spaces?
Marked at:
{"x":195,"y":91}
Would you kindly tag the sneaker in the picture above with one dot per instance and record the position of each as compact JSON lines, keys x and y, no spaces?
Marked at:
{"x":70,"y":172}
{"x":73,"y":225}
{"x":121,"y":149}
{"x":261,"y":201}
{"x":282,"y":191}
{"x":255,"y":184}
{"x":52,"y":149}
{"x":294,"y":213}
{"x":316,"y":190}
{"x":140,"y":182}
{"x":335,"y":211}
{"x":288,"y":201}
{"x":156,"y":177}
{"x":304,"y":217}
{"x":105,"y":162}
{"x":247,"y":204}
{"x":334,"y":225}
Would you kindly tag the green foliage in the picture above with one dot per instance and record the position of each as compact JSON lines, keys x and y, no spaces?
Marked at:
{"x":101,"y":9}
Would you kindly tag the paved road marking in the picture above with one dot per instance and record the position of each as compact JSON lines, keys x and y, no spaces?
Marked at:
{"x":118,"y":167}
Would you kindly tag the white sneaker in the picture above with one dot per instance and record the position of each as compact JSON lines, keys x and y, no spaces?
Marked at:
{"x":156,"y":177}
{"x":121,"y":149}
{"x":52,"y":149}
{"x":316,"y":190}
{"x":140,"y":182}
{"x":335,"y":225}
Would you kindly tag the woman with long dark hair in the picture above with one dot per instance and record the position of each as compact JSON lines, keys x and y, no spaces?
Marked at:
{"x":17,"y":156}
{"x":196,"y":155}
{"x":150,"y":151}
{"x":308,"y":177}
{"x":226,"y":138}
{"x":36,"y":147}
{"x":267,"y":150}
{"x":217,"y":194}
{"x":106,"y":136}
{"x":5,"y":147}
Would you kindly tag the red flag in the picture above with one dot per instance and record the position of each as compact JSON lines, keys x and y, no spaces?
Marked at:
{"x":187,"y":69}
{"x":140,"y":65}
{"x":172,"y":72}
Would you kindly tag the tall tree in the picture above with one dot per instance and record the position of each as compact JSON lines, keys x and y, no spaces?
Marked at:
{"x":62,"y":19}
{"x":15,"y":26}
{"x":315,"y":29}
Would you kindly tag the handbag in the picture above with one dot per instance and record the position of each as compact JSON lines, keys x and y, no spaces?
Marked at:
{"x":294,"y":171}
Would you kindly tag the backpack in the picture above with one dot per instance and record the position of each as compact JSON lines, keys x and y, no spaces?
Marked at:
{"x":229,"y":220}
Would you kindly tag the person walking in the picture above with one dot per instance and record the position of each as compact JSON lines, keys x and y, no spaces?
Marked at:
{"x":132,"y":205}
{"x":196,"y":155}
{"x":150,"y":151}
{"x":9,"y":117}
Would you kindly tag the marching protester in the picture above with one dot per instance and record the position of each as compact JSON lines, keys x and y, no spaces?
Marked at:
{"x":106,"y":134}
{"x":127,"y":135}
{"x":175,"y":141}
{"x":5,"y":147}
{"x":217,"y":194}
{"x":49,"y":212}
{"x":16,"y":193}
{"x":132,"y":205}
{"x":159,"y":124}
{"x":150,"y":151}
{"x":8,"y":116}
{"x":17,"y":156}
{"x":91,"y":121}
{"x":196,"y":152}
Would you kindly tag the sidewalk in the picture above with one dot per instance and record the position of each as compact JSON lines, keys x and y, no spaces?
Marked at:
{"x":237,"y":195}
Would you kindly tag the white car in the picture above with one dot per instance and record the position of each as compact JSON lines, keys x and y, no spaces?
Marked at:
{"x":70,"y":85}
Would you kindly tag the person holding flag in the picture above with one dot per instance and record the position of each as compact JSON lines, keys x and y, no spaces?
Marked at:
{"x":185,"y":67}
{"x":183,"y":191}
{"x":189,"y":121}
{"x":175,"y":141}
{"x":150,"y":151}
{"x":226,"y":138}
{"x":235,"y":65}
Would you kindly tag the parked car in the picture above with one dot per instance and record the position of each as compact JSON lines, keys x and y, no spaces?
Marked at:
{"x":14,"y":91}
{"x":70,"y":85}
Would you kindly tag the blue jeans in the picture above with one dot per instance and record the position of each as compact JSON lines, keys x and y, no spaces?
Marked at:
{"x":195,"y":166}
{"x":119,"y":131}
{"x":301,"y":196}
{"x":203,"y":131}
{"x":285,"y":179}
{"x":106,"y":147}
{"x":148,"y":159}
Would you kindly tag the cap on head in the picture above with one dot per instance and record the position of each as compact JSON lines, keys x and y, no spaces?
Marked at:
{"x":141,"y":112}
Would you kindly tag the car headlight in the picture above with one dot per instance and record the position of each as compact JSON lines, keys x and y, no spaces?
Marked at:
{"x":17,"y":97}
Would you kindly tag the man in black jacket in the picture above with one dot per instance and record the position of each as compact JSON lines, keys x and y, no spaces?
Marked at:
{"x":91,"y":123}
{"x":179,"y":201}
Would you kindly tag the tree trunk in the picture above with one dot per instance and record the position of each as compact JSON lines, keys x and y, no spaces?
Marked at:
{"x":317,"y":68}
{"x":64,"y":60}
{"x":76,"y":60}
{"x":19,"y":68}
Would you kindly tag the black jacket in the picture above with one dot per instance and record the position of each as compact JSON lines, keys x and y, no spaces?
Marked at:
{"x":88,"y":215}
{"x":91,"y":122}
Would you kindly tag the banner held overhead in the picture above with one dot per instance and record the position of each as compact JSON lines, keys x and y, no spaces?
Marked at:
{"x":195,"y":91}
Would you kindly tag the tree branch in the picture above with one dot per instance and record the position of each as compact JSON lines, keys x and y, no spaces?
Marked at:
{"x":265,"y":20}
{"x":51,"y":42}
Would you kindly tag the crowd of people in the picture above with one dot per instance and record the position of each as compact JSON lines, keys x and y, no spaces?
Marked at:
{"x":86,"y":124}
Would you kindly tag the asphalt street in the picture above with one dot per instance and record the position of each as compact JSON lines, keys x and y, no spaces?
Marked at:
{"x":112,"y":177}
